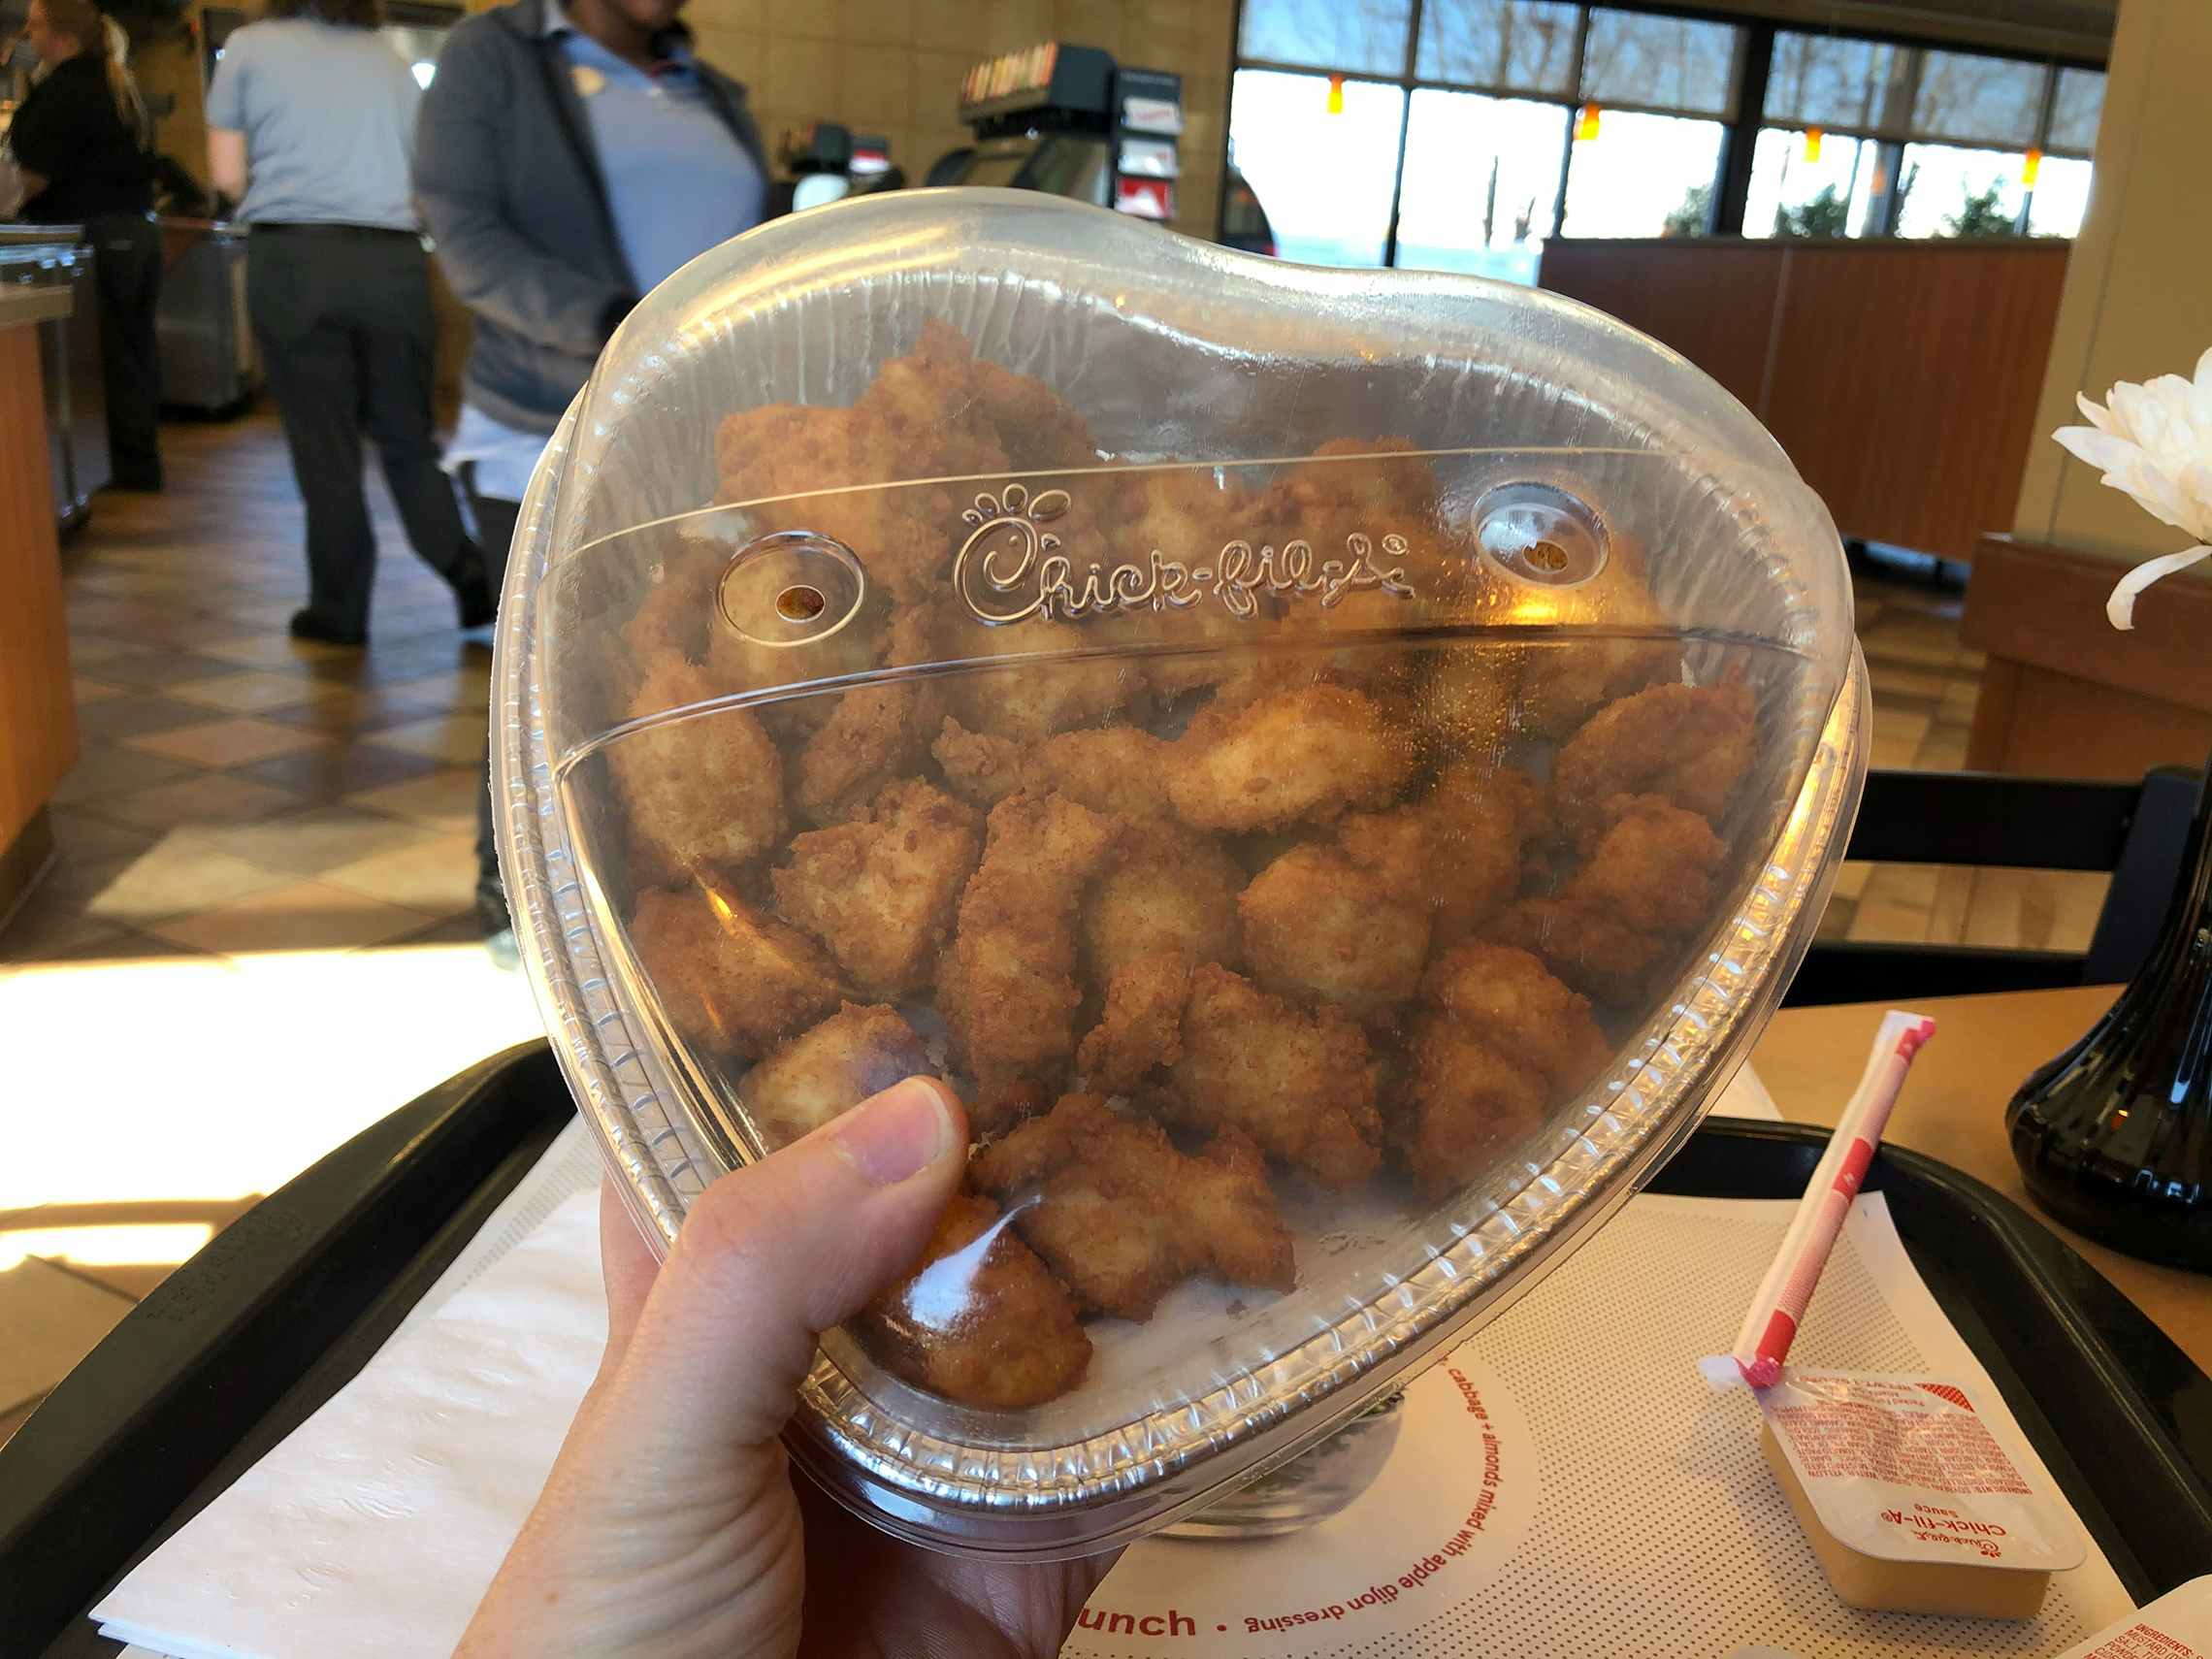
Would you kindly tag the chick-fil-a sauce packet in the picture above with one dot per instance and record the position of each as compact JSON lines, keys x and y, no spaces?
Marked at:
{"x":1906,"y":1469}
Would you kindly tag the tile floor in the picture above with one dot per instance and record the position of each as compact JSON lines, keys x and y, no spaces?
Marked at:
{"x":257,"y":938}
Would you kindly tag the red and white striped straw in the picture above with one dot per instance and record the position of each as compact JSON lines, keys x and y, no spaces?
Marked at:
{"x":1777,"y":1312}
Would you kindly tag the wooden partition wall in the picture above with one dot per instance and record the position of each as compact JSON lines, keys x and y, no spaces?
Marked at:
{"x":38,"y":720}
{"x":1900,"y":376}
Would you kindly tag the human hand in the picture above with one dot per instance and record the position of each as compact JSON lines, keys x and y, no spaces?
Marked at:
{"x":669,"y":1524}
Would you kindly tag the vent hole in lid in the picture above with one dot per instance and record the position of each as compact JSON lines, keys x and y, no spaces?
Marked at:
{"x":1533,"y":532}
{"x":800,"y":604}
{"x":792,"y":588}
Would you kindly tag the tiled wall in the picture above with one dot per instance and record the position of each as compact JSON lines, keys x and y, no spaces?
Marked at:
{"x":895,"y":66}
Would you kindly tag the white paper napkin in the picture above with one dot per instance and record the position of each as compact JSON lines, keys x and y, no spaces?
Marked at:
{"x":370,"y":1532}
{"x":373,"y":1529}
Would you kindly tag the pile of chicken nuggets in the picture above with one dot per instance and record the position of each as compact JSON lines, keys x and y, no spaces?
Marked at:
{"x":1194,"y":922}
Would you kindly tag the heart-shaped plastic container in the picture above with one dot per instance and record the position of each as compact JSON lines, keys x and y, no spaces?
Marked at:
{"x":1335,"y":767}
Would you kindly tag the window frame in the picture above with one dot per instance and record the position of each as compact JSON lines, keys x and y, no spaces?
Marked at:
{"x":1742,"y":120}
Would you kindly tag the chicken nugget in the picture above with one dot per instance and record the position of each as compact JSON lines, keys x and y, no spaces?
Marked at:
{"x":699,"y":793}
{"x":980,"y":1322}
{"x":1519,"y":1010}
{"x":1186,"y":515}
{"x":1458,"y":849}
{"x":1287,"y":757}
{"x":943,"y":392}
{"x":1168,"y":890}
{"x":1301,"y":1084}
{"x":1653,"y":867}
{"x":1498,"y":1044}
{"x":872,"y":733}
{"x":1590,"y":949}
{"x":1319,"y":927}
{"x":730,"y":979}
{"x":1141,"y":1028}
{"x":1122,"y":1217}
{"x":1622,"y":920}
{"x":829,"y":1068}
{"x":1688,"y":744}
{"x":1115,"y":770}
{"x":1007,"y":986}
{"x":1032,"y":699}
{"x":880,"y":892}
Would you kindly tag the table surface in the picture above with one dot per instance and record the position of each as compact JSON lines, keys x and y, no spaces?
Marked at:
{"x":1953,"y":1109}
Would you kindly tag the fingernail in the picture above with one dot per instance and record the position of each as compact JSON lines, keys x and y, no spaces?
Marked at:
{"x":899,"y":1133}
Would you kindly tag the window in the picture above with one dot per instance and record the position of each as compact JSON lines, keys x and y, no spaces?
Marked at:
{"x":1482,"y":176}
{"x":1654,"y":62}
{"x":2077,"y":107}
{"x":1643,"y":176}
{"x":1967,"y":98}
{"x":1832,"y":194}
{"x":2060,"y":199}
{"x":1951,"y":191}
{"x":1820,"y":81}
{"x":1325,"y":179}
{"x":1447,"y":141}
{"x":1525,"y":44}
{"x":1353,"y":35}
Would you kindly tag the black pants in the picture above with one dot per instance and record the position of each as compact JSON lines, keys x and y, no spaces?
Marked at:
{"x":495,"y":532}
{"x":343,"y":319}
{"x":127,"y":265}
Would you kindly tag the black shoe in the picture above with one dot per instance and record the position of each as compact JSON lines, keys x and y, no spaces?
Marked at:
{"x":472,"y":598}
{"x":144,"y":483}
{"x":306,"y":625}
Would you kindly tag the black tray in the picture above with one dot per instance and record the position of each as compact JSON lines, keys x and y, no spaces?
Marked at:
{"x":241,"y":1344}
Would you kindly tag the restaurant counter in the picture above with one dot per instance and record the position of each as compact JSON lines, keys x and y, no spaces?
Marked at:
{"x":38,"y":718}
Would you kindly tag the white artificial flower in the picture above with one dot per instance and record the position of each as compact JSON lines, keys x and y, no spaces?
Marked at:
{"x":2154,"y":442}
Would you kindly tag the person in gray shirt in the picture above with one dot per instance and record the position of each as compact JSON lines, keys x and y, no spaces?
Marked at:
{"x":311,"y":123}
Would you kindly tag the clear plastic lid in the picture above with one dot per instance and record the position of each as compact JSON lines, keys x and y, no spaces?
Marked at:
{"x":1334,"y":766}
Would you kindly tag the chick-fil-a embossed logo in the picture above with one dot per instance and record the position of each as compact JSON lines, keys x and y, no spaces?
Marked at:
{"x":1011,"y":567}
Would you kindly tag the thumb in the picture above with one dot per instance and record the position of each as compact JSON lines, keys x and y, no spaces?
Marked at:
{"x":774,"y":1253}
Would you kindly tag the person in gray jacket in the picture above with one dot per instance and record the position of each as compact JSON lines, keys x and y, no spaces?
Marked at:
{"x":568,"y":158}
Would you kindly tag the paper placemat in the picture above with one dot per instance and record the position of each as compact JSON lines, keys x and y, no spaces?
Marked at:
{"x":1565,"y":1484}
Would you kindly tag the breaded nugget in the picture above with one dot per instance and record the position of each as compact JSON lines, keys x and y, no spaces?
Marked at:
{"x":943,"y":388}
{"x":1007,"y":986}
{"x":1141,"y":1028}
{"x":829,"y":1068}
{"x":698,"y":794}
{"x":1319,"y":927}
{"x":730,"y":980}
{"x":1122,"y":1217}
{"x":1652,"y":866}
{"x":1169,"y":888}
{"x":1458,"y":849}
{"x":1498,"y":1044}
{"x":880,"y":892}
{"x":1287,"y":756}
{"x":833,"y":472}
{"x":1031,"y":700}
{"x":1689,"y":744}
{"x":873,"y":733}
{"x":1590,"y":949}
{"x":980,"y":1321}
{"x":1520,"y":1009}
{"x":1115,"y":770}
{"x":1465,"y":698}
{"x":1186,"y":515}
{"x":1622,"y":920}
{"x":1300,"y":1084}
{"x":1562,"y":681}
